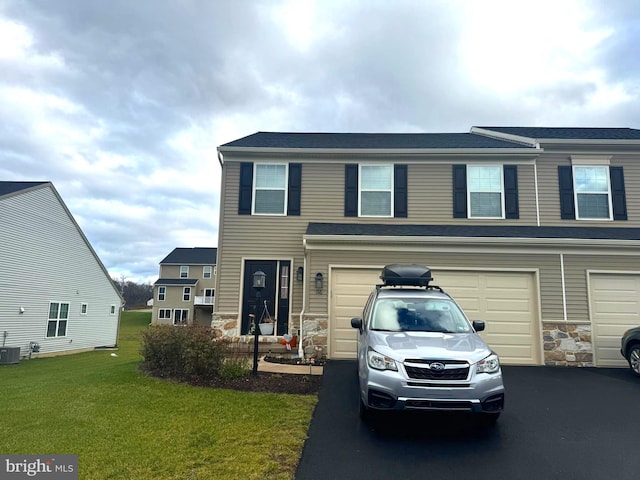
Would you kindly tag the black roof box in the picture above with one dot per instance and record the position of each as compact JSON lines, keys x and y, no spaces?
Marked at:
{"x":406,"y":275}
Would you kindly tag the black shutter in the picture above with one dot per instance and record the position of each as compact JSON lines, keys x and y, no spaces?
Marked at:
{"x":295,"y":189}
{"x":351,"y":190}
{"x":246,"y":188}
{"x":511,"y":203}
{"x":459,"y":191}
{"x":400,"y":191}
{"x":618,"y":195}
{"x":565,"y":183}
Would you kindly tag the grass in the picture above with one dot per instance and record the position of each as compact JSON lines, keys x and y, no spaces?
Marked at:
{"x":125,"y":425}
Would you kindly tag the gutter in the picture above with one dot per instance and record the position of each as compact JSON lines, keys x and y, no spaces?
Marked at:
{"x":304,"y":299}
{"x":220,"y":158}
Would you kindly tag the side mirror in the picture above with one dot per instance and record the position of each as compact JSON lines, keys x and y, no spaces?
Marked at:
{"x":478,"y":325}
{"x":356,"y":322}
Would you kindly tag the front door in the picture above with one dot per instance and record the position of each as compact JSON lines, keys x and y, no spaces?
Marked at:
{"x":274,"y":298}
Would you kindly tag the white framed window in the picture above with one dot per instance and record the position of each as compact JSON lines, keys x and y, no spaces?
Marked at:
{"x":58,"y":316}
{"x":186,"y":294}
{"x":112,"y":310}
{"x":485,"y":191}
{"x":184,"y":271}
{"x":162,"y":293}
{"x":270,"y":189}
{"x":215,"y":270}
{"x":592,"y":191}
{"x":375,"y":191}
{"x":164,"y":313}
{"x":206,"y":271}
{"x":180,"y":316}
{"x":84,"y":308}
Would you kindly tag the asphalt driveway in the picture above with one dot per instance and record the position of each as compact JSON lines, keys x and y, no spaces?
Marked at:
{"x":559,"y":423}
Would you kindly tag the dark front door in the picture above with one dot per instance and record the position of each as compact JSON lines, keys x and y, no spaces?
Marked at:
{"x":274,"y":298}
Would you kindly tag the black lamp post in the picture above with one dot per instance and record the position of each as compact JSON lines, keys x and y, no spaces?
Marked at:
{"x":259,"y":279}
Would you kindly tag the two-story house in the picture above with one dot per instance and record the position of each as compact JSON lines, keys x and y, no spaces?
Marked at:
{"x":534,"y":230}
{"x":185,"y":290}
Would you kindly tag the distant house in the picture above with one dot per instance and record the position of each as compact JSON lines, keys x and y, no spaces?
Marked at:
{"x":185,"y":291}
{"x":54,"y":290}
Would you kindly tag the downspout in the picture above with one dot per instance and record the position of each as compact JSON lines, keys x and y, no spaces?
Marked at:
{"x":564,"y":292}
{"x":535,"y":179}
{"x":220,"y":159}
{"x":304,"y":300}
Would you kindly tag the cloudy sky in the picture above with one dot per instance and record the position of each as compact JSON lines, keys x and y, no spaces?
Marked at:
{"x":122,"y":103}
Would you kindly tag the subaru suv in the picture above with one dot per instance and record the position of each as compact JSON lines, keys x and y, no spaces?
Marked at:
{"x":417,"y":350}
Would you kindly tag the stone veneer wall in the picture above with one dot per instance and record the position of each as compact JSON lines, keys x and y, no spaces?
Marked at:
{"x":567,"y":344}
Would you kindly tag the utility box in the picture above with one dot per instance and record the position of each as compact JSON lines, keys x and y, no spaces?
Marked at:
{"x":9,"y":355}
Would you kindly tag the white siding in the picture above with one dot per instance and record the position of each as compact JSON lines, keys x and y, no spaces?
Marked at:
{"x":44,"y":257}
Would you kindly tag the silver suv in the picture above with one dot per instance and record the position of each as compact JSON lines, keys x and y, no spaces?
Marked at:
{"x":418,"y":351}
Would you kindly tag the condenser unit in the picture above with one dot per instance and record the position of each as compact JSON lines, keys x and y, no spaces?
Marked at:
{"x":9,"y":355}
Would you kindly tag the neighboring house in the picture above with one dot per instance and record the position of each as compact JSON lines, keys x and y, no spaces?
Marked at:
{"x":54,"y":290}
{"x":534,"y":230}
{"x":185,"y":290}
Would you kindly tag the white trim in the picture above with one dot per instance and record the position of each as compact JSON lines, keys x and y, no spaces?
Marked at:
{"x":57,"y":320}
{"x":184,"y":293}
{"x":391,"y":192}
{"x":564,"y":288}
{"x":86,"y":308}
{"x":113,"y":309}
{"x":186,"y":273}
{"x":502,"y":195}
{"x":590,"y":160}
{"x":286,"y":189}
{"x":395,"y":152}
{"x":576,"y":193}
{"x":164,"y":293}
{"x":204,"y":272}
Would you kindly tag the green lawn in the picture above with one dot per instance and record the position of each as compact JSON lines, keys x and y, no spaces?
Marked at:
{"x":125,"y":425}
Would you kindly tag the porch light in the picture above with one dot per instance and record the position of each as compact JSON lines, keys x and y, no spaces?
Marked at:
{"x":300,"y":274}
{"x":319,"y":279}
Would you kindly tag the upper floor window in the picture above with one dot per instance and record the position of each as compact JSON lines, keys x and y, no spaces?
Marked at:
{"x":58,"y":316}
{"x":270,"y":189}
{"x":592,"y":192}
{"x":376,"y":190}
{"x":112,"y":310}
{"x":184,"y":271}
{"x":186,"y":294}
{"x":162,"y":293}
{"x":485,"y":190}
{"x":206,"y":271}
{"x":84,"y":308}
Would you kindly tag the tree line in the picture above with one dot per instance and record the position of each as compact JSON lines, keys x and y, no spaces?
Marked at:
{"x":135,"y":294}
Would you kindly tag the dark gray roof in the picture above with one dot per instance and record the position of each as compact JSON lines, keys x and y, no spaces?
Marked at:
{"x":192,"y":256}
{"x":370,"y":141}
{"x":176,"y":281}
{"x":572,"y":133}
{"x":381,"y":230}
{"x":11,"y":187}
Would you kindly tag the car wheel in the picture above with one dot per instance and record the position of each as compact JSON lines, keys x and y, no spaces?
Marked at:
{"x":633,"y":356}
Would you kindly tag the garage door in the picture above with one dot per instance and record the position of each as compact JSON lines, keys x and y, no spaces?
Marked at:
{"x":505,"y":300}
{"x":615,"y":307}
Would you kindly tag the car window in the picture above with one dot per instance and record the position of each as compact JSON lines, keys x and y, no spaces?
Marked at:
{"x":418,"y":314}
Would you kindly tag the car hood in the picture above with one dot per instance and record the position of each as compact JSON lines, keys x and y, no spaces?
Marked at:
{"x":429,"y":345}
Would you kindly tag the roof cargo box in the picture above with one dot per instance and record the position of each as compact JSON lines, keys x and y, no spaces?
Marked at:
{"x":414,"y":275}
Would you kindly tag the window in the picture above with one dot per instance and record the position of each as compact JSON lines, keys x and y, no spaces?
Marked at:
{"x":58,"y":316}
{"x":164,"y":313}
{"x":83,"y":309}
{"x":215,"y":270}
{"x":592,"y":192}
{"x":376,"y":190}
{"x":180,"y":316}
{"x":186,"y":294}
{"x":206,"y":271}
{"x":162,"y":293}
{"x":284,"y":282}
{"x":112,"y":311}
{"x":184,"y":271}
{"x":485,"y":190}
{"x":270,"y":189}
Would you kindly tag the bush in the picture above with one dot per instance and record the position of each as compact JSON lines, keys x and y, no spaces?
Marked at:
{"x":183,"y":353}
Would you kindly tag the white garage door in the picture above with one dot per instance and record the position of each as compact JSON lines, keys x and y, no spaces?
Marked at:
{"x":505,"y":300}
{"x":615,"y":307}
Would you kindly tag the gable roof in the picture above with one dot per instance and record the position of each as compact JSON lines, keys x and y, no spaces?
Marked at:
{"x":569,"y":133}
{"x":12,"y":187}
{"x":191,"y":256}
{"x":290,"y":140}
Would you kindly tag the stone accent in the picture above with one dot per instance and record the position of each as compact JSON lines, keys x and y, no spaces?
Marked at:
{"x":315,"y":331}
{"x":567,"y":344}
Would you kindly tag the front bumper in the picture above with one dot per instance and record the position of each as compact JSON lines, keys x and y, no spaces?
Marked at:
{"x":389,"y":390}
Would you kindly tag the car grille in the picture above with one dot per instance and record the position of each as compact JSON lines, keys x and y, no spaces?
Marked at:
{"x":439,"y":405}
{"x":420,"y":369}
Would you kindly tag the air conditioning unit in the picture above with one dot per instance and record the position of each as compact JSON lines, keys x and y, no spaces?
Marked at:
{"x":9,"y":355}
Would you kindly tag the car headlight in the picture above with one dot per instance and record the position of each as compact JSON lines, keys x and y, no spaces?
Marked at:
{"x":380,"y":362}
{"x":491,"y":364}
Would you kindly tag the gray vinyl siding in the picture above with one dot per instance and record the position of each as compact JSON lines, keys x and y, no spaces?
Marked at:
{"x":550,"y":200}
{"x":44,"y":258}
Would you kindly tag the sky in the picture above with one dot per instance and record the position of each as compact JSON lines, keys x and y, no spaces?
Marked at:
{"x":122,"y":103}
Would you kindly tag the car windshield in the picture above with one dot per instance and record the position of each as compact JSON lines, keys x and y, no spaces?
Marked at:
{"x":419,"y":315}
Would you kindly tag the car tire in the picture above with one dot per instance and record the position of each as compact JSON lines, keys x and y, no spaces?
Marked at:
{"x":633,"y":357}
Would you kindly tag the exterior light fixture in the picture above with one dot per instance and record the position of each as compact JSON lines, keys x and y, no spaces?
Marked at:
{"x":319,"y":279}
{"x":300,"y":274}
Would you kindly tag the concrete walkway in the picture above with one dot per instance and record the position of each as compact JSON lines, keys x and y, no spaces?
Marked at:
{"x":273,"y":367}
